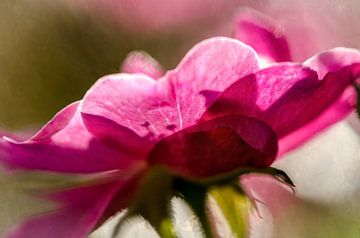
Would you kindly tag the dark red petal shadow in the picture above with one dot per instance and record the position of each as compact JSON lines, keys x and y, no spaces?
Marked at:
{"x":217,"y":146}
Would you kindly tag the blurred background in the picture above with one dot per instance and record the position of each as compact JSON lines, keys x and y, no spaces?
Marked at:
{"x":52,"y":51}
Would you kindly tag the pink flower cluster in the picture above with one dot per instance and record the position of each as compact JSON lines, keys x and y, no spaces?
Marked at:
{"x":224,"y":107}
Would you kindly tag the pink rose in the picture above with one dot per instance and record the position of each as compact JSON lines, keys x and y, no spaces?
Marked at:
{"x":224,"y":107}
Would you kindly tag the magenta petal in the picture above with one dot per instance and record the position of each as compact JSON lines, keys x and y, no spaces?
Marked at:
{"x":337,"y":64}
{"x":333,"y":60}
{"x":336,"y":112}
{"x":59,"y":121}
{"x":263,"y":34}
{"x":217,"y":146}
{"x":285,"y":96}
{"x":79,"y":212}
{"x":155,"y":109}
{"x":273,"y":94}
{"x":343,"y":105}
{"x":208,"y":69}
{"x":117,"y":136}
{"x":135,"y":102}
{"x":72,"y":149}
{"x":141,"y":62}
{"x":269,"y":191}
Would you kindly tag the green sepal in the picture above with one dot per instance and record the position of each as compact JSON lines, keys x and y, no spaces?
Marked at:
{"x":235,"y":207}
{"x":166,"y":228}
{"x":229,"y":177}
{"x":276,"y":173}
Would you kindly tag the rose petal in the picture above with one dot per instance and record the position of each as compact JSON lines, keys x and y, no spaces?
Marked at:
{"x":217,"y":146}
{"x":207,"y":69}
{"x":263,"y":34}
{"x":339,"y":62}
{"x":141,"y":62}
{"x":155,"y":109}
{"x":285,"y":96}
{"x":59,"y":121}
{"x":79,"y":211}
{"x":268,"y":190}
{"x":72,"y":149}
{"x":311,"y":101}
{"x":334,"y":113}
{"x":116,"y":136}
{"x":333,"y":60}
{"x":262,"y":94}
{"x":134,"y":102}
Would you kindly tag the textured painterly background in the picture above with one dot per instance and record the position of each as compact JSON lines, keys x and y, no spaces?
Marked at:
{"x":52,"y":51}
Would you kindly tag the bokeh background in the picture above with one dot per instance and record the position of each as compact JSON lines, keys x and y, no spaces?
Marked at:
{"x":51,"y":52}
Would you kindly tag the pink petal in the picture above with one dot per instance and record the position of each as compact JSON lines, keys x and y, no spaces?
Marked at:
{"x":155,"y":109}
{"x":262,"y":95}
{"x":263,"y":34}
{"x":269,"y":191}
{"x":334,"y":113}
{"x":78,"y":213}
{"x":304,"y":103}
{"x":60,"y":120}
{"x":341,"y":60}
{"x":287,"y":97}
{"x":217,"y":146}
{"x":133,"y":101}
{"x":208,"y":69}
{"x":333,"y":60}
{"x":72,"y":149}
{"x":141,"y":62}
{"x":116,"y":136}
